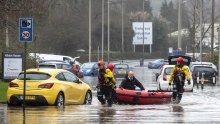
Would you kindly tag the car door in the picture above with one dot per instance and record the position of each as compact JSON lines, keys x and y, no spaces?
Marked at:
{"x":76,"y":90}
{"x":95,"y":69}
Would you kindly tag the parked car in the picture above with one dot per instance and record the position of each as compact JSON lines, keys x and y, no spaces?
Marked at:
{"x":164,"y":75}
{"x":207,"y":71}
{"x":120,"y":70}
{"x":156,"y":64}
{"x":49,"y":87}
{"x":56,"y":64}
{"x":90,"y":69}
{"x":205,"y":63}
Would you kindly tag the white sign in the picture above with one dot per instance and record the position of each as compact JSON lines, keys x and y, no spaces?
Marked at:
{"x":138,"y":30}
{"x":12,"y":65}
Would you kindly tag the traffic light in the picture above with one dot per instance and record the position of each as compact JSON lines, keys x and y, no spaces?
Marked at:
{"x":218,"y":29}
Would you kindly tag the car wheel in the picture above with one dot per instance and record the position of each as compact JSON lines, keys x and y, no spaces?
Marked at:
{"x":60,"y":100}
{"x":88,"y":97}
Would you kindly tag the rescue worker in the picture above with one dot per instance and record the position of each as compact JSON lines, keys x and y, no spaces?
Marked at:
{"x":105,"y":84}
{"x":130,"y":82}
{"x":178,"y":75}
{"x":111,"y":67}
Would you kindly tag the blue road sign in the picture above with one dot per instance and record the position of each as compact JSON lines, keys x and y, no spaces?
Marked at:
{"x":26,"y":29}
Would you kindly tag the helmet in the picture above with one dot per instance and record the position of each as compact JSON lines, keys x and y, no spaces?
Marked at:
{"x":101,"y":63}
{"x":180,"y":60}
{"x":111,"y":66}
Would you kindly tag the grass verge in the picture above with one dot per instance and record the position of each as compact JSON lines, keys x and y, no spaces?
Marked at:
{"x":3,"y":90}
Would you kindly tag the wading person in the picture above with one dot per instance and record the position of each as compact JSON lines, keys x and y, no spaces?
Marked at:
{"x":178,"y":75}
{"x":106,"y":84}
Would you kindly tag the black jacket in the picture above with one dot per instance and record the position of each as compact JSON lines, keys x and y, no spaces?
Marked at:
{"x":130,"y":84}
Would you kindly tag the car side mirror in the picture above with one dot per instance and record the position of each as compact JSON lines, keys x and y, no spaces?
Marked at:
{"x":78,"y":81}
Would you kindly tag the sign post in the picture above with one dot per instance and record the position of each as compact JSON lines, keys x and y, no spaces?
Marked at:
{"x":25,"y":35}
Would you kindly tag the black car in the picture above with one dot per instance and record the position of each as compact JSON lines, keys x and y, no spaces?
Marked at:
{"x":205,"y":71}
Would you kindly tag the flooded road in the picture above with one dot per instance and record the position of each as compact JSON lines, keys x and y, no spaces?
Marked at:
{"x":197,"y":107}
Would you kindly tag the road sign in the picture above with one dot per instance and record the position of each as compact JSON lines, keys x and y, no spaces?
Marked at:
{"x":26,"y":29}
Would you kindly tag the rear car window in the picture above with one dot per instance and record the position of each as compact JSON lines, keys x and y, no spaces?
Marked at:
{"x":47,"y":66}
{"x":121,"y":66}
{"x":202,"y":68}
{"x":167,"y":71}
{"x":34,"y":76}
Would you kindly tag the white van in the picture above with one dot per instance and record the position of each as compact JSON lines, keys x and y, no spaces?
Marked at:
{"x":44,"y":57}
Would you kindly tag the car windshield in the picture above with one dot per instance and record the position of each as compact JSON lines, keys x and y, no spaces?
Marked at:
{"x":34,"y":76}
{"x":47,"y":66}
{"x":87,"y":65}
{"x":168,"y":70}
{"x":203,"y":68}
{"x":124,"y":66}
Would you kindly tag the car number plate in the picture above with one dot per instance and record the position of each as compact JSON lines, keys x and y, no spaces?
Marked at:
{"x":28,"y":97}
{"x":121,"y":72}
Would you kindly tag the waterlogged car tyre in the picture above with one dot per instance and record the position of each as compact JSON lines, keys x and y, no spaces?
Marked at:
{"x":60,"y":100}
{"x":88,"y":98}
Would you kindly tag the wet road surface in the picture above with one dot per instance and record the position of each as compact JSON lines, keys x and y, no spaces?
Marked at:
{"x":197,"y":107}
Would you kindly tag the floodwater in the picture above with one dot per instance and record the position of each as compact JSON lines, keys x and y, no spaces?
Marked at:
{"x":201,"y":106}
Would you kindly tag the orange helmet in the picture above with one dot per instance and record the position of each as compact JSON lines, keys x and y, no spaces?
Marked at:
{"x":101,"y":63}
{"x":110,"y":66}
{"x":180,"y":60}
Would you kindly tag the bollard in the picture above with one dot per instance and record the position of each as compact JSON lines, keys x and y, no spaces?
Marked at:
{"x":214,"y":80}
{"x":202,"y":81}
{"x":141,"y":62}
{"x":197,"y":80}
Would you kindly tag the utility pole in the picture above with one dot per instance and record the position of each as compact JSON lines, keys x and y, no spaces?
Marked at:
{"x":179,"y":26}
{"x":103,"y":12}
{"x":90,"y":30}
{"x":201,"y":12}
{"x":143,"y":29}
{"x":108,"y":33}
{"x":212,"y":30}
{"x":122,"y":29}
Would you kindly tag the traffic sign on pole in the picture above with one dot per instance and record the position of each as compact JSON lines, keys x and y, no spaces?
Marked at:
{"x":26,"y":29}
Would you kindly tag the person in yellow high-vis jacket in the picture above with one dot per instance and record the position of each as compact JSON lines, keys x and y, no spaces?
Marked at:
{"x":178,"y":75}
{"x":106,"y":84}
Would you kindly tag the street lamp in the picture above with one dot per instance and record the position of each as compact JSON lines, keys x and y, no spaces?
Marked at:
{"x":143,"y":29}
{"x":108,"y":33}
{"x":90,"y":30}
{"x":200,"y":25}
{"x":122,"y":29}
{"x":179,"y":26}
{"x":103,"y":28}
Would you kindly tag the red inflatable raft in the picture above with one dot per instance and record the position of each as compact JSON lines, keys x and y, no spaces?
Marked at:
{"x":142,"y":97}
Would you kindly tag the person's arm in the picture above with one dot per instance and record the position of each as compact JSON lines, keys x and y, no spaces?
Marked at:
{"x":172,"y":74}
{"x":186,"y":72}
{"x":108,"y":73}
{"x":138,"y":84}
{"x":122,"y":84}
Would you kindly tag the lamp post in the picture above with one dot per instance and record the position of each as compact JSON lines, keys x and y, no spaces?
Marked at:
{"x":103,"y":1}
{"x":108,"y":33}
{"x":179,"y":25}
{"x":200,"y":25}
{"x":219,"y":53}
{"x":122,"y":29}
{"x":143,"y":29}
{"x":90,"y":30}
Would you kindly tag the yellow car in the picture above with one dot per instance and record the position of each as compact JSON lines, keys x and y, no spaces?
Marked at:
{"x":49,"y":86}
